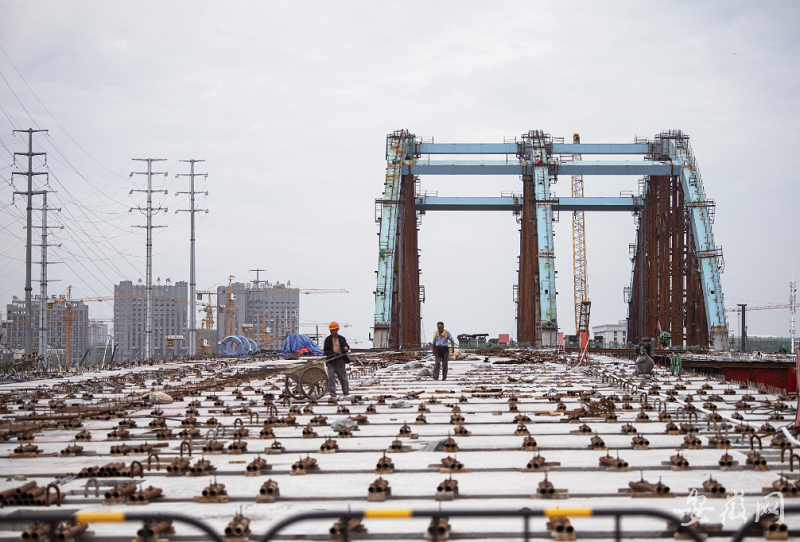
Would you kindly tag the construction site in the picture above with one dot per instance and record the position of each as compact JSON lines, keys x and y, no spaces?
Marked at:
{"x":209,"y":434}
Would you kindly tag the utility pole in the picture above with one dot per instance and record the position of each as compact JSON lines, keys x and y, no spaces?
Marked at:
{"x":28,"y":339}
{"x":792,"y":307}
{"x":744,"y":326}
{"x":43,"y":325}
{"x":148,"y":308}
{"x":192,"y":281}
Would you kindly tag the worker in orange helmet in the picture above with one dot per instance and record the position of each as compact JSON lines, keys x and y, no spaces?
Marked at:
{"x":335,"y":348}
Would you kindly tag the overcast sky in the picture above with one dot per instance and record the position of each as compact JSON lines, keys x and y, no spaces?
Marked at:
{"x":289,"y":104}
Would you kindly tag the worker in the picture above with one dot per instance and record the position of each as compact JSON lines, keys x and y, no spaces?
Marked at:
{"x":336,"y":345}
{"x":440,"y":351}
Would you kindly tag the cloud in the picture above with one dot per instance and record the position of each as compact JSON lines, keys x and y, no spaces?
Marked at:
{"x":289,"y":105}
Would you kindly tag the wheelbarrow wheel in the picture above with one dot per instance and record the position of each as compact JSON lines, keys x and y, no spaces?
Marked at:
{"x":293,"y":388}
{"x":314,"y":382}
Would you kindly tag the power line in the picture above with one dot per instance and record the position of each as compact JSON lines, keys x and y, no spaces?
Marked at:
{"x":49,"y":113}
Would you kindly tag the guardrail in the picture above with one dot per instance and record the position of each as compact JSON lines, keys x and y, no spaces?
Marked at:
{"x":92,"y":516}
{"x":398,"y":513}
{"x":524,"y":513}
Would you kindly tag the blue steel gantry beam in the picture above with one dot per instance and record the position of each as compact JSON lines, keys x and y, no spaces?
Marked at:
{"x":501,"y":167}
{"x":513,"y":148}
{"x":430,"y":203}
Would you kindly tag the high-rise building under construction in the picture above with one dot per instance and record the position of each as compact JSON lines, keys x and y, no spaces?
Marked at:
{"x":256,"y":305}
{"x":58,"y":324}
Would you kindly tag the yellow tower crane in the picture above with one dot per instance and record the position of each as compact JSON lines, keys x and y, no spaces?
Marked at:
{"x":230,"y":308}
{"x":582,"y":304}
{"x":68,"y":322}
{"x":204,"y":343}
{"x":264,"y":332}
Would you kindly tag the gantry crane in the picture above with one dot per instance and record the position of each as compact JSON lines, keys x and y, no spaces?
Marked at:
{"x":582,"y":304}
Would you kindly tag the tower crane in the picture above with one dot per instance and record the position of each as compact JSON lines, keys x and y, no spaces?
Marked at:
{"x":229,"y":308}
{"x":265,"y":331}
{"x":761,"y":308}
{"x":204,"y":343}
{"x":582,"y":304}
{"x":68,"y":321}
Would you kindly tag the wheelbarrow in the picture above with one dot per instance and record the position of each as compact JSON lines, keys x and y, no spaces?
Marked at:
{"x":308,"y":381}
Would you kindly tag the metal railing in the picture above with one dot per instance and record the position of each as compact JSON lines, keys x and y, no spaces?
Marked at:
{"x":524,"y":513}
{"x":88,"y":517}
{"x":92,"y":516}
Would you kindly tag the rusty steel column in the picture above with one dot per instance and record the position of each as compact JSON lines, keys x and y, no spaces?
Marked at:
{"x":666,"y":281}
{"x":406,"y":325}
{"x":678,"y":234}
{"x":528,"y":309}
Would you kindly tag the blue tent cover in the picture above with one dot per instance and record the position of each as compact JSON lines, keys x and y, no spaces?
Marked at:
{"x":296,"y":342}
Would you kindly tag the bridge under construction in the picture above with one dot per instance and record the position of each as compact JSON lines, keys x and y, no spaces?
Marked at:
{"x":675,"y":279}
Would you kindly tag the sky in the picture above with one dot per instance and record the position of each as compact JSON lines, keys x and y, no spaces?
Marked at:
{"x":289,"y":104}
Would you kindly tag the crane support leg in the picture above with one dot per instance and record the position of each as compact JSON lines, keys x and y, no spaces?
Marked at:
{"x":540,"y":145}
{"x":399,"y":151}
{"x":676,"y":282}
{"x":406,"y":320}
{"x":528,"y":315}
{"x":536,"y":310}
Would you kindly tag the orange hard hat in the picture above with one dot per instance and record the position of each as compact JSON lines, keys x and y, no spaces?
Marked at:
{"x":333,"y":325}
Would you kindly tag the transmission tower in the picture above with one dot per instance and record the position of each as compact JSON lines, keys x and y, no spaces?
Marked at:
{"x":28,"y":339}
{"x":192,"y":281}
{"x":43,"y":324}
{"x":258,"y":276}
{"x":148,"y":308}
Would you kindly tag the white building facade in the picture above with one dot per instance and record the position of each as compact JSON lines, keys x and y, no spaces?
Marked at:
{"x":612,"y":333}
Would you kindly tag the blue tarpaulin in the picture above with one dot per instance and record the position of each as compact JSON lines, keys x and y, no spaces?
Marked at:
{"x":294,"y":343}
